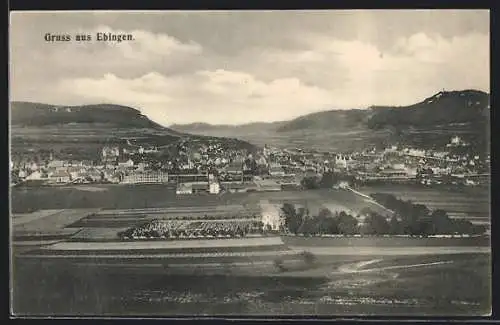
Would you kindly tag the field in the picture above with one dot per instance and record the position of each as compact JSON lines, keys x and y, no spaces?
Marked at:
{"x":326,"y":140}
{"x":473,"y":204}
{"x":158,"y":196}
{"x":439,"y":285}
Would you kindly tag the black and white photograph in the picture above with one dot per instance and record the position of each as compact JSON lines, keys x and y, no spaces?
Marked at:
{"x":250,"y":163}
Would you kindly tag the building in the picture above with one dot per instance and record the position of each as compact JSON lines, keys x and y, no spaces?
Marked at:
{"x":110,"y":152}
{"x":341,"y":161}
{"x":145,"y":177}
{"x":36,"y":175}
{"x":267,"y":185}
{"x":271,"y":216}
{"x":60,"y":176}
{"x":56,"y":164}
{"x":214,"y":188}
{"x":192,"y":188}
{"x":276,"y":171}
{"x":129,"y":163}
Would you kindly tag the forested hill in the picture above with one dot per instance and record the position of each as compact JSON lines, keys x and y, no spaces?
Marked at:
{"x":443,"y":108}
{"x":37,"y":114}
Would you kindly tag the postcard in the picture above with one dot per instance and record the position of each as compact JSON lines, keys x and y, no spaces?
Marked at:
{"x":250,"y":163}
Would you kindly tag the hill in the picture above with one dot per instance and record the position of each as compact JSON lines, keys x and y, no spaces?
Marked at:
{"x":430,"y":122}
{"x":443,"y":108}
{"x":37,"y":114}
{"x":85,"y":129}
{"x":334,"y":119}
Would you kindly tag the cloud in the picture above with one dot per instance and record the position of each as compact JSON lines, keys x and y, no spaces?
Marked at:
{"x":180,"y":76}
{"x":413,"y":68}
{"x":147,"y":52}
{"x":217,"y":96}
{"x":148,"y":46}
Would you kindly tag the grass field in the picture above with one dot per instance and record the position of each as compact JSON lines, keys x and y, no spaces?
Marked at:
{"x":438,"y":285}
{"x":473,"y":203}
{"x":156,"y":196}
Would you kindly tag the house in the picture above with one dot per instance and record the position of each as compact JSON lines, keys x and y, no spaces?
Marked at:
{"x":271,"y":216}
{"x":276,"y":171}
{"x":60,"y":176}
{"x":145,"y":177}
{"x":56,"y":163}
{"x":128,"y":163}
{"x":214,"y":188}
{"x":36,"y":175}
{"x":110,"y":152}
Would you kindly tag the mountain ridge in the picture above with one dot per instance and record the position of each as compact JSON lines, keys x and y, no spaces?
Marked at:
{"x":40,"y":114}
{"x":372,"y":116}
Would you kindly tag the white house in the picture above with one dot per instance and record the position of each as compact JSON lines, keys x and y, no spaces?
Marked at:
{"x":214,"y":188}
{"x":21,"y":174}
{"x":271,"y":216}
{"x":56,"y":163}
{"x":127,"y":163}
{"x":36,"y":175}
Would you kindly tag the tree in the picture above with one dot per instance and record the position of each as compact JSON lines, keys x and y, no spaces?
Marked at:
{"x":328,"y":180}
{"x":347,"y":224}
{"x":394,"y":226}
{"x":292,"y":219}
{"x":441,"y":222}
{"x":376,"y":224}
{"x":325,"y":213}
{"x":309,"y":183}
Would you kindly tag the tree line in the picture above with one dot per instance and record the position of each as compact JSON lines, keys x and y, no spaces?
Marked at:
{"x":417,"y":219}
{"x":408,"y":219}
{"x":328,"y":180}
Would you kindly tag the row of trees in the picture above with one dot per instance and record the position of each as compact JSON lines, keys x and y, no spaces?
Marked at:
{"x":417,"y":219}
{"x":299,"y":221}
{"x":328,"y":180}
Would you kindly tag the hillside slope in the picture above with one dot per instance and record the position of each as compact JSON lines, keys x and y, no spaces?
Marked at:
{"x":84,"y":130}
{"x":37,"y":114}
{"x":443,"y":108}
{"x":334,"y":119}
{"x":427,"y":123}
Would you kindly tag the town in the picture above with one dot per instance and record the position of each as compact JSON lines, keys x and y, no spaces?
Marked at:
{"x":211,"y":167}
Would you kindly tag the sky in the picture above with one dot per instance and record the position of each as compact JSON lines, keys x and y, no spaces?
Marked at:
{"x":230,"y":67}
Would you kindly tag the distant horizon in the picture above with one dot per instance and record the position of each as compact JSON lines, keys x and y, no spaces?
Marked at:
{"x":238,"y":67}
{"x":250,"y":122}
